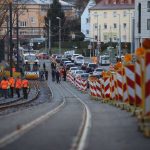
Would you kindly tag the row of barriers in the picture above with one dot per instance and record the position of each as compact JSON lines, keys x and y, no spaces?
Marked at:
{"x":127,"y":87}
{"x":79,"y":83}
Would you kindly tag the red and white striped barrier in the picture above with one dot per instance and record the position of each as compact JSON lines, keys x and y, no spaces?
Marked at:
{"x":130,"y":78}
{"x":147,"y":83}
{"x":107,"y":87}
{"x":125,"y":92}
{"x":112,"y":87}
{"x":102,"y":88}
{"x":77,"y":83}
{"x":92,"y":85}
{"x":139,"y":81}
{"x":119,"y":78}
{"x":83,"y":85}
{"x":98,"y":89}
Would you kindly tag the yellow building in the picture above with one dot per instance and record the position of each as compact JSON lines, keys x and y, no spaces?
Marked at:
{"x":109,"y":22}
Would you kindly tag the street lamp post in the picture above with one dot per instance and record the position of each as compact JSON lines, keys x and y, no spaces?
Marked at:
{"x":59,"y":34}
{"x":10,"y":39}
{"x":119,"y":48}
{"x":17,"y":34}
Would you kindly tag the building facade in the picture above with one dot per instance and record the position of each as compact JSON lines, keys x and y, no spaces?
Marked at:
{"x":31,"y":17}
{"x":85,"y":24}
{"x":142,"y":21}
{"x":111,"y":22}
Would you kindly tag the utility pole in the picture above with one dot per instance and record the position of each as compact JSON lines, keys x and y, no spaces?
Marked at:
{"x":10,"y":40}
{"x":49,"y":27}
{"x":59,"y":34}
{"x":119,"y":38}
{"x":17,"y":35}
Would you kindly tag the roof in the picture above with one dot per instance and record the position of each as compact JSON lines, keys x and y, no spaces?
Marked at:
{"x":102,"y":6}
{"x":63,"y":3}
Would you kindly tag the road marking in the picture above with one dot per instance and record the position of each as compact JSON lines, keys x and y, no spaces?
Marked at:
{"x":16,"y":134}
{"x":87,"y":125}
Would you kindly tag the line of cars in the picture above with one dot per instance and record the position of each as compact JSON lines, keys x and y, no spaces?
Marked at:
{"x":78,"y":67}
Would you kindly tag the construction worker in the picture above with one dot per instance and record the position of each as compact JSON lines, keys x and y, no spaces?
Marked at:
{"x":5,"y":86}
{"x":25,"y":86}
{"x":12,"y":85}
{"x":18,"y":86}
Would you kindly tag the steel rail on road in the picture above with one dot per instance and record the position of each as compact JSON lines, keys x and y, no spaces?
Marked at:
{"x":20,"y":101}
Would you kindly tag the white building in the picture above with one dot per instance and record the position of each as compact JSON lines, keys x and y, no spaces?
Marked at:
{"x":142,"y":21}
{"x":109,"y":22}
{"x":85,"y":25}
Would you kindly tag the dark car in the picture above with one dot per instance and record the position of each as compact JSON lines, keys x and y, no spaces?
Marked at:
{"x":58,"y":59}
{"x":62,"y":61}
{"x":69,"y":57}
{"x":91,"y":67}
{"x":69,"y":65}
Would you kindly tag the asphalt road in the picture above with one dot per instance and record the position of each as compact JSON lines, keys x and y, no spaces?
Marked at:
{"x":111,"y":128}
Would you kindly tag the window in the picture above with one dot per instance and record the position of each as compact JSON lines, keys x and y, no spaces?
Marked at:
{"x":124,"y":25}
{"x":148,"y":24}
{"x":95,"y":37}
{"x":87,"y":20}
{"x":32,"y":20}
{"x":114,"y":14}
{"x":115,"y":25}
{"x":95,"y":26}
{"x":105,"y":37}
{"x":124,"y":13}
{"x":23,"y":23}
{"x":115,"y":38}
{"x":105,"y":26}
{"x":87,"y":31}
{"x":148,"y":6}
{"x":105,"y":14}
{"x":124,"y":37}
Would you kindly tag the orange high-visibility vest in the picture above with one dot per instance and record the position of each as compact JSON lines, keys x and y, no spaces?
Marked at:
{"x":12,"y":82}
{"x":25,"y":83}
{"x":18,"y":84}
{"x":4,"y":84}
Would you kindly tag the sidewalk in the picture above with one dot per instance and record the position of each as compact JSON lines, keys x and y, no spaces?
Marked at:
{"x":31,"y":95}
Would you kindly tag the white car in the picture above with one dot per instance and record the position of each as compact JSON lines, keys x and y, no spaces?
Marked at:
{"x":77,"y":72}
{"x":72,"y":69}
{"x":73,"y":57}
{"x":79,"y":60}
{"x":98,"y":71}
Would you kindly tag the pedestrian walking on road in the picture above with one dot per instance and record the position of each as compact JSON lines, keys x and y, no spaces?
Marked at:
{"x":53,"y":74}
{"x":44,"y":66}
{"x":5,"y":86}
{"x":46,"y":74}
{"x":25,"y":86}
{"x":57,"y":76}
{"x":18,"y":86}
{"x":12,"y":85}
{"x":41,"y":75}
{"x":64,"y":75}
